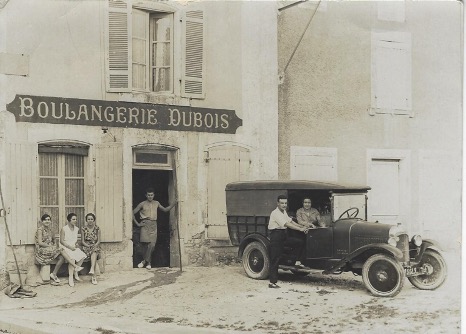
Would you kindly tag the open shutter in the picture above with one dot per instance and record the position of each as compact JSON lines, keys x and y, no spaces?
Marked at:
{"x":118,"y":48}
{"x":21,"y":198}
{"x":193,"y":57}
{"x":109,"y":191}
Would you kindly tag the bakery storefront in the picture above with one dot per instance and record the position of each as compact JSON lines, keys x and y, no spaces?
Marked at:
{"x":88,"y":171}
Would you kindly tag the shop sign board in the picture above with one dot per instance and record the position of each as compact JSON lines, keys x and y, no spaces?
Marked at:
{"x":57,"y":110}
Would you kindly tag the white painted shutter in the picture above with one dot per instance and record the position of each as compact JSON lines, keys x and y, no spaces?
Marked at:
{"x":21,"y":197}
{"x":193,"y":56}
{"x":109,"y":190}
{"x":118,"y":48}
{"x":226,"y":164}
{"x":313,"y":163}
{"x":391,"y":73}
{"x":384,"y":196}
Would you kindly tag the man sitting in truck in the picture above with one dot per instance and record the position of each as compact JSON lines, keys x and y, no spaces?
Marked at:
{"x":278,"y":223}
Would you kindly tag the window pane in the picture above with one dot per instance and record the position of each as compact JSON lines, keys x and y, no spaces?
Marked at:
{"x":48,"y":164}
{"x":74,"y":192}
{"x":161,"y":55}
{"x":48,"y":192}
{"x":74,"y":165}
{"x":139,"y":51}
{"x":161,"y":79}
{"x":139,"y":76}
{"x":161,"y":29}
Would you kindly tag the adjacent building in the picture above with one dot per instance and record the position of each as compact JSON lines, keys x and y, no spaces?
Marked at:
{"x":371,"y":93}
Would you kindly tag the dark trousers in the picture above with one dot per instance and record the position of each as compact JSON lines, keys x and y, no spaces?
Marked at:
{"x":278,"y":240}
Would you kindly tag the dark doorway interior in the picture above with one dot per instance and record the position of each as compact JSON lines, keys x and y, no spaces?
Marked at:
{"x":157,"y":179}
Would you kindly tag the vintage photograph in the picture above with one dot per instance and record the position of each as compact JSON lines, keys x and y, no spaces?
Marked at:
{"x":231,"y":166}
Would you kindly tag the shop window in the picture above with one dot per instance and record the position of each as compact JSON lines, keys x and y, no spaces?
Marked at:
{"x":61,"y":185}
{"x":391,"y":73}
{"x":141,"y":50}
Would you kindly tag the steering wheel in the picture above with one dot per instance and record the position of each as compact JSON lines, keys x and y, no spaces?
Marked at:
{"x":348,"y":214}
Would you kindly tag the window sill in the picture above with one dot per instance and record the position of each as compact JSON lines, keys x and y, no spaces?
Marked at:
{"x":374,"y":111}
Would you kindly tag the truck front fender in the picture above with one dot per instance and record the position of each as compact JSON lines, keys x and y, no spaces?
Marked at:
{"x":373,"y":248}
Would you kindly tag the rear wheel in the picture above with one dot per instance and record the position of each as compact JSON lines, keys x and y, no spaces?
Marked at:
{"x":256,"y":261}
{"x":382,"y":275}
{"x":436,"y":271}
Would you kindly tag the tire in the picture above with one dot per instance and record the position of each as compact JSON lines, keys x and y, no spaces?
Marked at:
{"x":437,"y":271}
{"x":383,"y":276}
{"x":256,"y":260}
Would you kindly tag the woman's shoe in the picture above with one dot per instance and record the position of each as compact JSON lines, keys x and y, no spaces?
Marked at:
{"x":70,"y":281}
{"x":76,"y":269}
{"x":94,"y":280}
{"x":76,"y":277}
{"x":54,"y":277}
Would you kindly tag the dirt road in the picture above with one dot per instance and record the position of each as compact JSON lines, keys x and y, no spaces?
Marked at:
{"x":224,"y":300}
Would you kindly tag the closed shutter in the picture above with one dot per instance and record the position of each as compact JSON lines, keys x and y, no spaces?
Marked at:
{"x":226,"y":164}
{"x":21,"y":198}
{"x":193,"y":58}
{"x":109,"y":191}
{"x":313,"y":163}
{"x":118,"y":48}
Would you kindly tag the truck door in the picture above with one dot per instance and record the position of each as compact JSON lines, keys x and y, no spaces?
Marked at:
{"x":319,"y":243}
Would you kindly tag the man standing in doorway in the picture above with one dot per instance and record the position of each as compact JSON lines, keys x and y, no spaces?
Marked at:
{"x":148,"y":214}
{"x":278,"y":222}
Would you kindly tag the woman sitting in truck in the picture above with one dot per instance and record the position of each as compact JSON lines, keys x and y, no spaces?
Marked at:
{"x":307,"y":216}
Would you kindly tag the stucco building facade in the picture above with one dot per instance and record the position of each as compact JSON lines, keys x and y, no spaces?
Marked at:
{"x":371,"y":93}
{"x":101,"y":99}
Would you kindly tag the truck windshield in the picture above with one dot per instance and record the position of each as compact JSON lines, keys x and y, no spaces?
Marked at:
{"x":343,"y":202}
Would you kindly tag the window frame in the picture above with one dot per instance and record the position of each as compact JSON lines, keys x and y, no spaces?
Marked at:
{"x":60,"y":219}
{"x":150,"y":15}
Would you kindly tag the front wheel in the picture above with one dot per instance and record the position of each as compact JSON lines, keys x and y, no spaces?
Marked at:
{"x":256,"y":261}
{"x":436,"y":268}
{"x":382,"y":275}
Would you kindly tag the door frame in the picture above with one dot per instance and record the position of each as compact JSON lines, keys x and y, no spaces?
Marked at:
{"x":173,"y":191}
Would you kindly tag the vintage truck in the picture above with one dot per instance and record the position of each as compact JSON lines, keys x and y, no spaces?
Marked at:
{"x":382,"y":254}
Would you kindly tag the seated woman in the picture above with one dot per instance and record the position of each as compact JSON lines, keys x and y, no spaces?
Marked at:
{"x":69,"y":240}
{"x":90,"y":239}
{"x":308,"y":216}
{"x":46,"y":250}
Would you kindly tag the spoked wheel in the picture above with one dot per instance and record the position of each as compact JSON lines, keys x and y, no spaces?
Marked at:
{"x":256,"y":260}
{"x":436,"y":268}
{"x":382,"y":275}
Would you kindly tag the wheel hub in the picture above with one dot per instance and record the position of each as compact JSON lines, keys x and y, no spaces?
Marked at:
{"x":382,"y":276}
{"x":428,"y":268}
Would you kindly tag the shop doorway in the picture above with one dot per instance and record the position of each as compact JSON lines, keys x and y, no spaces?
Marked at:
{"x":160,"y":181}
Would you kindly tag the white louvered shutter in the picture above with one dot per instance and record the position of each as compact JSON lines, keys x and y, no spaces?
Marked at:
{"x":193,"y":57}
{"x":118,"y":48}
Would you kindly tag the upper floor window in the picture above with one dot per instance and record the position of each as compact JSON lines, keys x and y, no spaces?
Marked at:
{"x":152,"y":51}
{"x":143,"y":55}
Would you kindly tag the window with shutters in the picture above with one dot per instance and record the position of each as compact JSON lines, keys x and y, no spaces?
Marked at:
{"x":143,"y":55}
{"x":391,"y":73}
{"x":61,"y":186}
